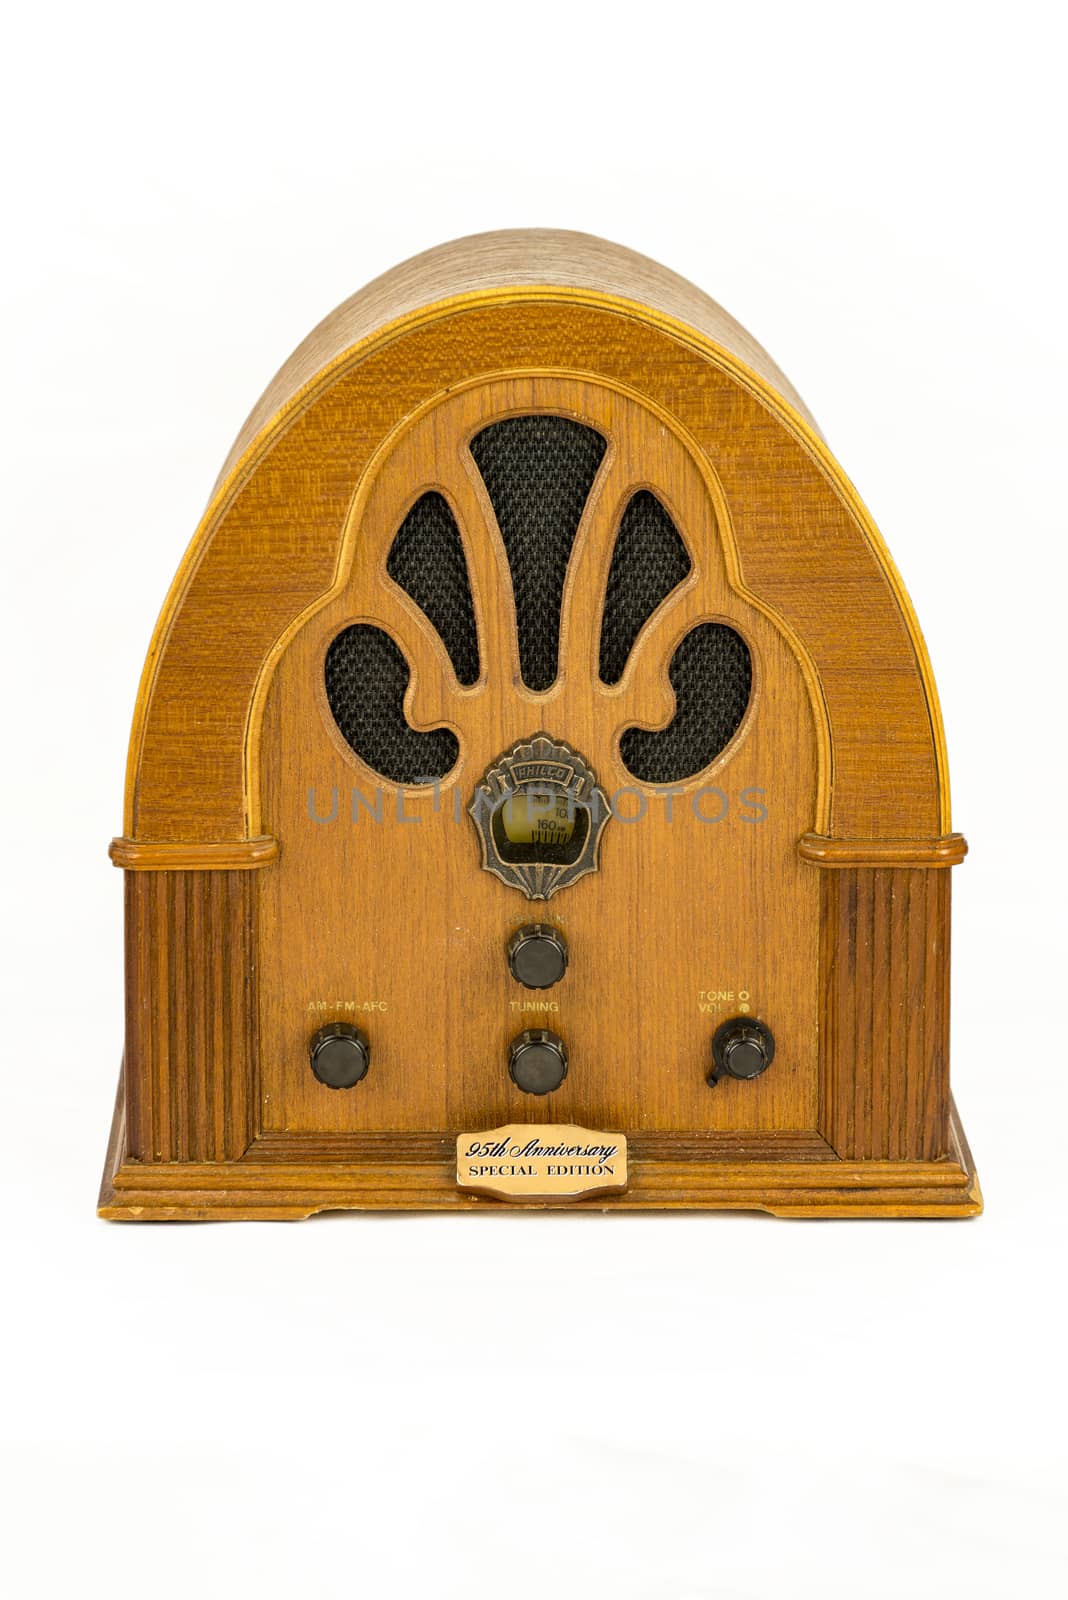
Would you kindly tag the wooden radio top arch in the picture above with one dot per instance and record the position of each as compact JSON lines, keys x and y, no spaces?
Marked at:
{"x":502,"y":304}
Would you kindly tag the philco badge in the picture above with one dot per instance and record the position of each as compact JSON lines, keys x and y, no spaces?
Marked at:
{"x":549,"y":1162}
{"x":540,"y":814}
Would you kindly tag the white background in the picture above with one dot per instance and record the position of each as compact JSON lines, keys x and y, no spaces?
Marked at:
{"x":649,"y":1407}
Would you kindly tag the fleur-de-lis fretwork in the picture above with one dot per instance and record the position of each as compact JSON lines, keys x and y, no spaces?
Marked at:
{"x":532,"y":562}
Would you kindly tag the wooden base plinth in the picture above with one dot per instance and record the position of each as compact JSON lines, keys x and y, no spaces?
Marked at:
{"x":254,"y":1189}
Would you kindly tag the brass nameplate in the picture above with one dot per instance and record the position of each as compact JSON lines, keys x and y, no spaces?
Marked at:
{"x":542,"y":1161}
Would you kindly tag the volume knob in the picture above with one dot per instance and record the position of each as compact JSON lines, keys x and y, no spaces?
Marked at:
{"x":742,"y":1047}
{"x":340,"y":1055}
{"x":537,"y":1061}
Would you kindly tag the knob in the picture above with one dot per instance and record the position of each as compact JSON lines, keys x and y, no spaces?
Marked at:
{"x":340,"y":1055}
{"x":742,"y":1047}
{"x":537,"y":955}
{"x":537,"y":1061}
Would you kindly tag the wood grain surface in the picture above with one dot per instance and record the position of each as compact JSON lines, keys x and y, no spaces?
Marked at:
{"x":249,"y":923}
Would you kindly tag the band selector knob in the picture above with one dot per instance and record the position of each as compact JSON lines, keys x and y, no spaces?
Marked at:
{"x":537,"y":1061}
{"x":340,"y":1055}
{"x":537,"y":955}
{"x":742,"y":1047}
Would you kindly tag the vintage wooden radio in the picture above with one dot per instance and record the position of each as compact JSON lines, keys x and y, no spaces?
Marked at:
{"x":537,"y":790}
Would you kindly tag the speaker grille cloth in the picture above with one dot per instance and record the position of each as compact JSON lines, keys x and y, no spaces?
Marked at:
{"x":711,"y":673}
{"x":427,"y":561}
{"x":538,"y":472}
{"x":649,"y":560}
{"x":366,"y":680}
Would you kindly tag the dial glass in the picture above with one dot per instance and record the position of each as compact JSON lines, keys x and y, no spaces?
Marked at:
{"x":540,"y":823}
{"x":538,"y":816}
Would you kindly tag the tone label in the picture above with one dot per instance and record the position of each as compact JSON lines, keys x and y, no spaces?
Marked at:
{"x":725,"y":1001}
{"x":552,"y":1162}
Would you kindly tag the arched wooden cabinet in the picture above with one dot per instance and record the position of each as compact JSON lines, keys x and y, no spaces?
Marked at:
{"x":532,"y":504}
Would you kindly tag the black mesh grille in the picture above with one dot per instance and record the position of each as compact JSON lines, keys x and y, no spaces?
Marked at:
{"x":366,"y":679}
{"x":649,"y":560}
{"x":538,"y":472}
{"x":427,"y":561}
{"x":711,"y":673}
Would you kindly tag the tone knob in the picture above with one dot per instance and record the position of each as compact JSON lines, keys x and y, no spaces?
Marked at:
{"x":537,"y":1061}
{"x":340,"y":1055}
{"x":742,"y":1047}
{"x":537,"y":955}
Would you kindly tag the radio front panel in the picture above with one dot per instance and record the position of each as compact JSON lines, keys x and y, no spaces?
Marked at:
{"x":381,"y":886}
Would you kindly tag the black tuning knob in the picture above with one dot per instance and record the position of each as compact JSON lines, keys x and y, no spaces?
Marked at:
{"x":537,"y":1061}
{"x":537,"y":955}
{"x":742,"y":1047}
{"x":340,"y":1055}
